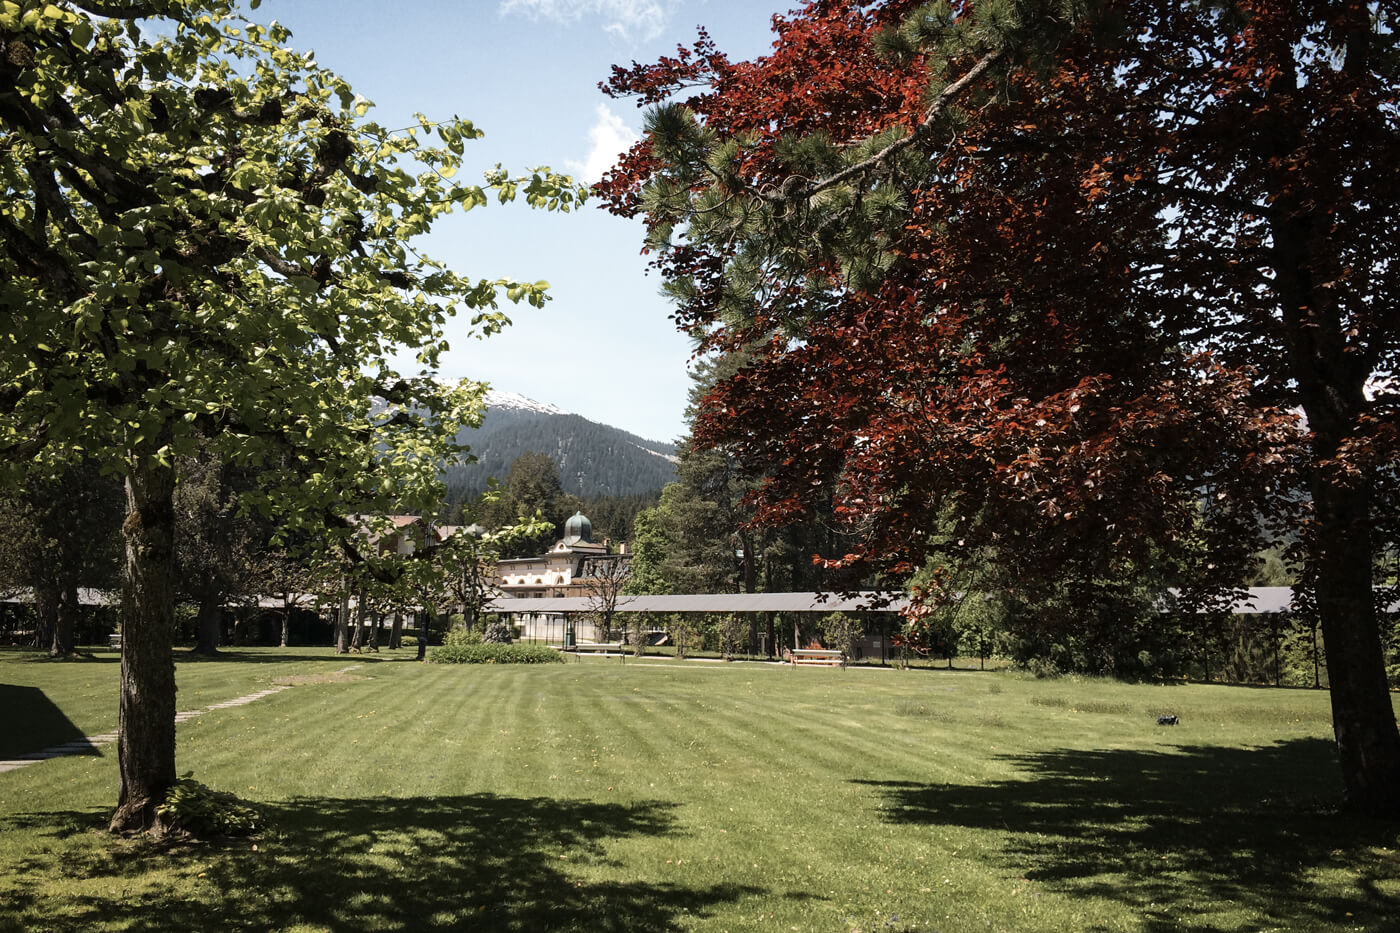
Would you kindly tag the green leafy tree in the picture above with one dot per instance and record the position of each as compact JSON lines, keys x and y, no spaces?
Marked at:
{"x":533,"y":482}
{"x":467,"y":563}
{"x":841,"y":632}
{"x":279,"y":573}
{"x":59,"y":531}
{"x":204,"y":235}
{"x":649,"y":552}
{"x":217,"y":549}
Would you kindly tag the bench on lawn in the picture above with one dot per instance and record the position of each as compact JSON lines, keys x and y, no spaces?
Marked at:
{"x":818,"y":656}
{"x":115,"y":641}
{"x":607,"y":650}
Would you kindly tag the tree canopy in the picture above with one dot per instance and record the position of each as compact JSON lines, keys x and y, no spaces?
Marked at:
{"x":204,"y":235}
{"x":1106,"y":282}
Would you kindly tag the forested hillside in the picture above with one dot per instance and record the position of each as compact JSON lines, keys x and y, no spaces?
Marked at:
{"x":593,"y":459}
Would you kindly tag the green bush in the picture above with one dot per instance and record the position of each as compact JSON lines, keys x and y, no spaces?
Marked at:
{"x":462,"y":636}
{"x":203,"y":812}
{"x":494,"y":654}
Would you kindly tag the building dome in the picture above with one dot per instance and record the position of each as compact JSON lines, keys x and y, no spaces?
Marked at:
{"x":578,"y":530}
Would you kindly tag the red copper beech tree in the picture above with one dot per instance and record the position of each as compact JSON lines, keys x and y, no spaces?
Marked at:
{"x":1090,"y":283}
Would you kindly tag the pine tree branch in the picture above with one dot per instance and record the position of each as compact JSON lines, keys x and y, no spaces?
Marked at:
{"x":790,"y":191}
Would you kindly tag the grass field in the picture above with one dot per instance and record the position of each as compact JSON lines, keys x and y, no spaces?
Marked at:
{"x":662,"y":795}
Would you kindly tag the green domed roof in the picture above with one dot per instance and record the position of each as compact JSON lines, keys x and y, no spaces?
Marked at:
{"x":578,"y":529}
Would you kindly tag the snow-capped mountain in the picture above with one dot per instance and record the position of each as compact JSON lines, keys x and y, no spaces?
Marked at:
{"x":514,"y":401}
{"x":594,"y":459}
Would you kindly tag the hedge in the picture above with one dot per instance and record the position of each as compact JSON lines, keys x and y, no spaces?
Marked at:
{"x":494,"y":654}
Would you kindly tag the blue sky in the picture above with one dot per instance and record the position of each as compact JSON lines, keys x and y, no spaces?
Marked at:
{"x":526,"y":73}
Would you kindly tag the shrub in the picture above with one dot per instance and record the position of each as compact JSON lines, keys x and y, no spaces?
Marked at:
{"x":203,"y":812}
{"x":685,"y":633}
{"x":841,"y":632}
{"x":462,"y":636}
{"x":495,"y":654}
{"x":732,"y":632}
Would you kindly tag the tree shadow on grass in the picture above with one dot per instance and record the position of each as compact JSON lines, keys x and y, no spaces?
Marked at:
{"x":80,"y":655}
{"x":1169,"y":833}
{"x":281,"y":656}
{"x":31,"y":721}
{"x":480,"y":862}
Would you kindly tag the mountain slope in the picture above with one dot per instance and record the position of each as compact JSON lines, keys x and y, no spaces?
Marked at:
{"x":594,"y":459}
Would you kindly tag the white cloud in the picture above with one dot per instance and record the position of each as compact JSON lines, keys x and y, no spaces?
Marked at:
{"x":608,"y":138}
{"x":631,"y":20}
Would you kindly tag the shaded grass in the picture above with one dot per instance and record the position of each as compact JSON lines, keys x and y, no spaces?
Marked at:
{"x":602,"y":796}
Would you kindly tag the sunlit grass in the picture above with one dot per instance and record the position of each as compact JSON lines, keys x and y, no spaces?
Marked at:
{"x":655,"y":796}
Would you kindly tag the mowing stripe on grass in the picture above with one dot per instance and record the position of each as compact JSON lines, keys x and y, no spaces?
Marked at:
{"x":92,"y":744}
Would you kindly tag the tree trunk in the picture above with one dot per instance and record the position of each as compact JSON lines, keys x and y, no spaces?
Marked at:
{"x":1316,"y":655}
{"x":357,"y":638}
{"x":375,"y":620}
{"x":342,"y":623}
{"x":1363,"y":719}
{"x":1331,"y":379}
{"x":427,"y":616}
{"x":396,"y":631}
{"x":67,"y":621}
{"x":286,"y":623}
{"x":207,"y":626}
{"x":146,"y":718}
{"x":749,"y":567}
{"x":46,"y":597}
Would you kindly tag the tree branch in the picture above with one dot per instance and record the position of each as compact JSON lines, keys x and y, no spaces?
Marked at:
{"x":945,"y":97}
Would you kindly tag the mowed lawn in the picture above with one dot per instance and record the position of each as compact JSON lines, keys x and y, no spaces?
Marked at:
{"x":670,"y":795}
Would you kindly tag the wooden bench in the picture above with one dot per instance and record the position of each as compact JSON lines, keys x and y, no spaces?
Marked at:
{"x":115,"y":642}
{"x":817,"y":656}
{"x":606,"y":650}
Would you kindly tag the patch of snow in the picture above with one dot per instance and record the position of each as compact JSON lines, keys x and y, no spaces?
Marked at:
{"x":656,"y":453}
{"x":518,"y":402}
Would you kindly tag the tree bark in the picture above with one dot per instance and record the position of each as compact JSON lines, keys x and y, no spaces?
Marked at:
{"x":357,"y":638}
{"x":45,"y":615}
{"x":1363,"y":719}
{"x":65,"y":622}
{"x":1331,"y":379}
{"x":342,"y":622}
{"x":146,"y":719}
{"x":396,"y":631}
{"x":1331,"y":387}
{"x":207,"y":627}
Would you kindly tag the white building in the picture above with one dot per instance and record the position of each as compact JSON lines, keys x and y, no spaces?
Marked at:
{"x":564,"y":570}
